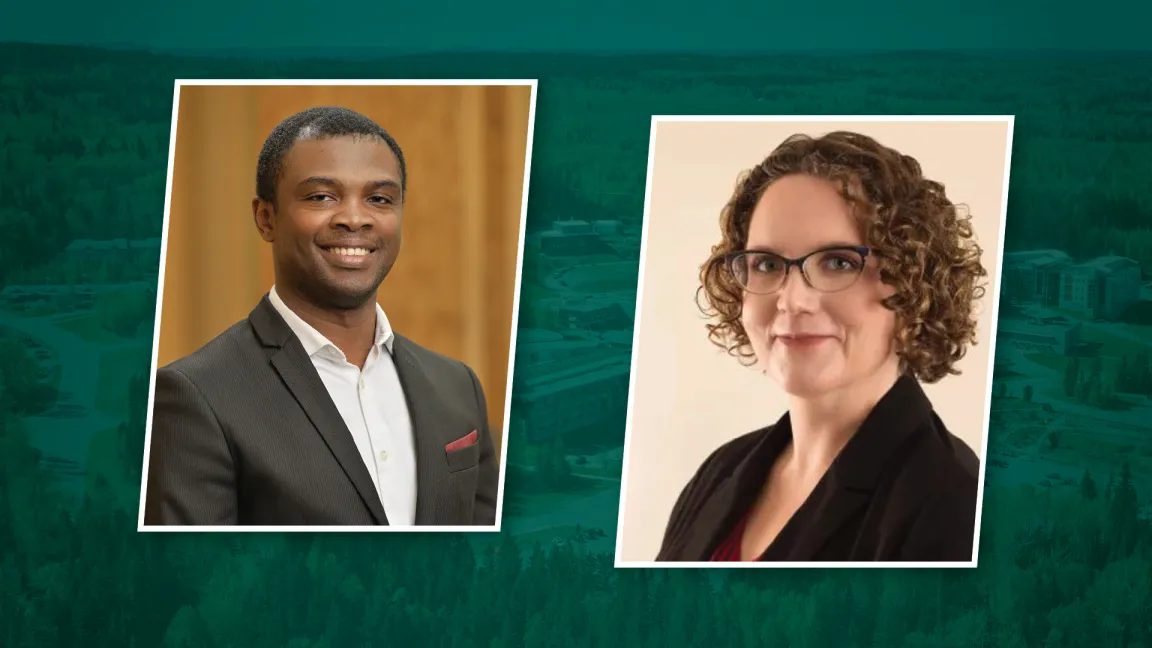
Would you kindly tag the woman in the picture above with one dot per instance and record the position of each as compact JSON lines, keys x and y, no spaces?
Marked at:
{"x":848,"y":277}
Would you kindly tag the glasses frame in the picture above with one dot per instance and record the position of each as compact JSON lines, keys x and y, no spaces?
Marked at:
{"x":731,"y":258}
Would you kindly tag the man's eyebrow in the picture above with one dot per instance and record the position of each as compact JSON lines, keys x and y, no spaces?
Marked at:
{"x":390,"y":184}
{"x":324,"y":180}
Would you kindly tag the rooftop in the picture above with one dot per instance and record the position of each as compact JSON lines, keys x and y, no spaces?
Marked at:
{"x":543,"y":374}
{"x":1110,"y":264}
{"x":585,"y":375}
{"x":612,"y":271}
{"x":1028,"y":328}
{"x":591,"y":305}
{"x":1036,"y":258}
{"x":555,"y":345}
{"x":554,"y":244}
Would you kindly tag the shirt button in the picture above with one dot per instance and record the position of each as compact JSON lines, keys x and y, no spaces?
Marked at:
{"x":383,"y":455}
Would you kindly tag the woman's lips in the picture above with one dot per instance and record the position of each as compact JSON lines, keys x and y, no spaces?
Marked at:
{"x":802,"y":341}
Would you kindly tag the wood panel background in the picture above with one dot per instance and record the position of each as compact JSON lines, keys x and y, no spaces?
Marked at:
{"x":453,"y":284}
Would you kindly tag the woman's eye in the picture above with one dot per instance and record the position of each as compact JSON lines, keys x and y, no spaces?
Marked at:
{"x":840,"y":263}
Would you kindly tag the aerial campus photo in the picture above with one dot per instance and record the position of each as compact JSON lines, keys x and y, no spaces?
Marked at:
{"x":573,"y":357}
{"x":1071,"y":395}
{"x":1073,"y":388}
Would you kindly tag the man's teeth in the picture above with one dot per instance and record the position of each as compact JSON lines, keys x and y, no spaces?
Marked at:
{"x":350,"y":251}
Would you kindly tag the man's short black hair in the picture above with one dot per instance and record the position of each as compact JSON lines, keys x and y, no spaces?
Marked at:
{"x":316,"y":123}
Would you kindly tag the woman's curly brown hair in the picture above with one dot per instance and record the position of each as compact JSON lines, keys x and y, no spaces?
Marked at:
{"x":924,"y":247}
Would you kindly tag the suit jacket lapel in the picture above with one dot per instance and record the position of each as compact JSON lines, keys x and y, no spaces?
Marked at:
{"x":850,"y":482}
{"x":731,"y":499}
{"x":436,"y":422}
{"x":717,"y":516}
{"x":828,"y":508}
{"x":299,"y":375}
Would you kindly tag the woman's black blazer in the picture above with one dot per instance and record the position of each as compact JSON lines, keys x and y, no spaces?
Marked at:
{"x":902,"y":489}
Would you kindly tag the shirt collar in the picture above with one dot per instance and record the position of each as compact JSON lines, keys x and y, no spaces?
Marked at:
{"x":313,"y":341}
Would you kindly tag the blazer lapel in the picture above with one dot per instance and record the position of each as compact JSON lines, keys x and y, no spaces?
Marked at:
{"x":828,"y":508}
{"x":850,"y":482}
{"x":717,"y":516}
{"x":436,"y":422}
{"x":732,"y":497}
{"x":296,"y":370}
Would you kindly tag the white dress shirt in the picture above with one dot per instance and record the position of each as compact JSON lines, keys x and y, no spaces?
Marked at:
{"x":372,"y":405}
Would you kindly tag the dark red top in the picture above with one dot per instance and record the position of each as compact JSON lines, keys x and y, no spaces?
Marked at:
{"x":729,"y":550}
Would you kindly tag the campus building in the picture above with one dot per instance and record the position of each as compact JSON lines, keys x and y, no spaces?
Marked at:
{"x":594,"y":314}
{"x":554,"y":398}
{"x":570,"y":244}
{"x":1104,"y":287}
{"x":1060,"y":338}
{"x":612,"y":277}
{"x":534,"y":346}
{"x":1034,"y":276}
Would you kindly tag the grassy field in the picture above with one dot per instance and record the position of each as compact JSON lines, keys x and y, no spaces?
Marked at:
{"x":1081,"y":446}
{"x":1082,"y":442}
{"x":1050,"y":360}
{"x":1058,"y":362}
{"x":536,"y":500}
{"x":599,"y":465}
{"x":546,"y":536}
{"x":87,"y":328}
{"x":1142,"y":330}
{"x":104,"y":461}
{"x":116,"y":369}
{"x":531,"y":292}
{"x":1055,"y":391}
{"x":608,"y":277}
{"x":483,"y":543}
{"x":1114,"y":346}
{"x":35,"y":311}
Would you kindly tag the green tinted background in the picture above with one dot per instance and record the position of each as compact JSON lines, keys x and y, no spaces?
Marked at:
{"x":1066,"y":546}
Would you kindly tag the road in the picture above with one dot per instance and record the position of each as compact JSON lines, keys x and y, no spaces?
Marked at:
{"x":1044,"y":378}
{"x":1125,"y":426}
{"x":598,"y":509}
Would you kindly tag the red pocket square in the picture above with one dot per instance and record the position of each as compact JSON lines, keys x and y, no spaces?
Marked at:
{"x":462,"y":442}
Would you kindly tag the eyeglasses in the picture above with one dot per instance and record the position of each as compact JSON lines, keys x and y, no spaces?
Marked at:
{"x":830,"y":269}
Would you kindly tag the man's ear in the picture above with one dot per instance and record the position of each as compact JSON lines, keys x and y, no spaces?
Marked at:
{"x":262,"y":214}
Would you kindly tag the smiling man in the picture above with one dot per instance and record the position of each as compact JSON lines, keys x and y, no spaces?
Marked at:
{"x":313,"y":411}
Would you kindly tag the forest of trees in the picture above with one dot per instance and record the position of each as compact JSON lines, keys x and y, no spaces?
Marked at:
{"x":83,"y":150}
{"x":1090,"y":385}
{"x":127,"y":313}
{"x":121,"y":266}
{"x":1058,"y":567}
{"x":22,"y":390}
{"x":1134,"y":375}
{"x":1084,"y":223}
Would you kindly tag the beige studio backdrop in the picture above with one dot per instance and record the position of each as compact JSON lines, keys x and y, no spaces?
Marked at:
{"x":690,"y":397}
{"x":453,"y":284}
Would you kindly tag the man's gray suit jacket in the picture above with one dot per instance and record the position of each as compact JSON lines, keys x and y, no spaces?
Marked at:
{"x":244,"y":432}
